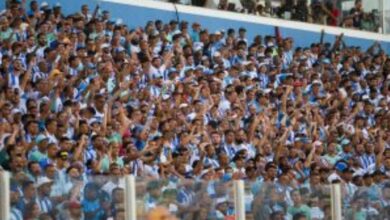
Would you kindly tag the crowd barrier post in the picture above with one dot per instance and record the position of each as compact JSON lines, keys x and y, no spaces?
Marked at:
{"x":5,"y":209}
{"x":336,"y":201}
{"x":130,"y":195}
{"x":239,"y":199}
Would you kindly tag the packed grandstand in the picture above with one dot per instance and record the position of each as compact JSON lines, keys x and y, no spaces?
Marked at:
{"x":86,"y":100}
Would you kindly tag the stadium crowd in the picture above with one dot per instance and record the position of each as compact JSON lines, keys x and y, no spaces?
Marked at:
{"x":86,"y":100}
{"x":326,"y":12}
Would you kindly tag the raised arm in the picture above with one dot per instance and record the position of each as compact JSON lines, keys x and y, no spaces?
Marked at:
{"x":381,"y":144}
{"x":284,"y":98}
{"x":310,"y":157}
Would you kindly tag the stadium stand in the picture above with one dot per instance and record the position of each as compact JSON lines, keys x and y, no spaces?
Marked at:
{"x":87,"y":100}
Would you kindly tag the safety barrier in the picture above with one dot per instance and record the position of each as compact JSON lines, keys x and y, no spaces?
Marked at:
{"x":131,"y":199}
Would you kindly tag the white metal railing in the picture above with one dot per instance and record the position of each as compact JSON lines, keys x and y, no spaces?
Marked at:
{"x":130,"y":203}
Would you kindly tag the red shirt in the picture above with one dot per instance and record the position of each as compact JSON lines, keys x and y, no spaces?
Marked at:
{"x":331,"y":21}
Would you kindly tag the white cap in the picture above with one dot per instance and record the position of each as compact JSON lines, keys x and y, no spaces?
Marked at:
{"x":119,"y":21}
{"x":44,"y":99}
{"x":316,"y":82}
{"x":247,"y":62}
{"x":359,"y":172}
{"x":191,"y":116}
{"x":105,"y":45}
{"x":333,"y":177}
{"x":120,"y":49}
{"x":183,"y":105}
{"x":204,"y":172}
{"x":176,"y":32}
{"x":317,"y":143}
{"x":83,"y":105}
{"x":217,"y":54}
{"x":198,"y":48}
{"x":15,"y":111}
{"x":268,"y":90}
{"x":44,"y":4}
{"x":220,"y":200}
{"x":42,"y":181}
{"x":197,"y":45}
{"x":303,"y":57}
{"x":165,"y":97}
{"x":93,"y":120}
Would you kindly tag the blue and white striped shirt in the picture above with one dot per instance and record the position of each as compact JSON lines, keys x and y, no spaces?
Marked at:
{"x":366,"y":160}
{"x":45,"y":205}
{"x":89,"y":153}
{"x":185,"y":197}
{"x":16,"y":214}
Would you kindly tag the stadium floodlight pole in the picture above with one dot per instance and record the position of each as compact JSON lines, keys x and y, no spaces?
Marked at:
{"x":336,"y":201}
{"x":239,"y":199}
{"x":130,"y":201}
{"x":5,"y":203}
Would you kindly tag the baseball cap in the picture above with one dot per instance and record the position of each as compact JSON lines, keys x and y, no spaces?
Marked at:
{"x":341,"y":166}
{"x":62,"y":154}
{"x":44,"y":4}
{"x":42,"y":181}
{"x":40,"y":138}
{"x":345,"y":142}
{"x":221,"y":200}
{"x":93,"y":121}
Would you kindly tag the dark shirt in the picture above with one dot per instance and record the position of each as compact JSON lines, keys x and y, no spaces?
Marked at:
{"x":357,"y":17}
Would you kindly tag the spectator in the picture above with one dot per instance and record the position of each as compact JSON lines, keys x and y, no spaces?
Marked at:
{"x":357,"y":13}
{"x":318,"y":15}
{"x":73,"y":211}
{"x":32,"y":211}
{"x":223,"y":4}
{"x":300,"y":12}
{"x":286,"y":9}
{"x":44,"y":202}
{"x":91,"y":204}
{"x":248,"y":6}
{"x":333,"y":14}
{"x":368,"y":22}
{"x":16,"y":213}
{"x":200,"y":3}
